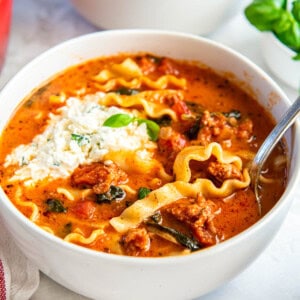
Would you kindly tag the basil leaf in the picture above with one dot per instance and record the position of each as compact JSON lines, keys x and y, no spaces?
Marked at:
{"x":283,"y":23}
{"x":152,"y":128}
{"x":278,"y":17}
{"x":263,"y":13}
{"x":143,"y":192}
{"x":290,"y":35}
{"x":296,"y":10}
{"x":55,"y":205}
{"x":118,"y":120}
{"x":297,"y":57}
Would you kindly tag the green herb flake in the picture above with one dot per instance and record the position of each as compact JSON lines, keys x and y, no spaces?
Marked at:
{"x":143,"y":192}
{"x":80,"y":139}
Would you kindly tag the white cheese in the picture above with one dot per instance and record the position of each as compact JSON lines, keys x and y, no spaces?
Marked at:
{"x":75,"y":136}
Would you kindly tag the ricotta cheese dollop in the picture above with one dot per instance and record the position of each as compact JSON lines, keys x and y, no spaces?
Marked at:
{"x":75,"y":135}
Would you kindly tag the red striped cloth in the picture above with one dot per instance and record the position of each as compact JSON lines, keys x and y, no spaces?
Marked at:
{"x":19,"y":278}
{"x":2,"y":283}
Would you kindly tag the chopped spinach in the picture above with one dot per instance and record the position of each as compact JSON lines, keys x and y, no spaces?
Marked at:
{"x":114,"y":193}
{"x":164,"y":121}
{"x":55,"y":205}
{"x":143,"y":192}
{"x":126,"y":91}
{"x":184,"y":240}
{"x":155,"y":59}
{"x":157,"y":217}
{"x":67,"y":228}
{"x":233,"y":114}
{"x":196,"y":108}
{"x":28,"y":103}
{"x":192,"y":132}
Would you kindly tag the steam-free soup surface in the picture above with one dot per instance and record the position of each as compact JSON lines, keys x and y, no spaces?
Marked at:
{"x":139,"y":155}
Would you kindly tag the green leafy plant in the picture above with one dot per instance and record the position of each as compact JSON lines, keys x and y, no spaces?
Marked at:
{"x":121,"y":120}
{"x":282,"y":17}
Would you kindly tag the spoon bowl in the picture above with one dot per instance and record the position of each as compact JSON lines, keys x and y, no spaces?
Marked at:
{"x":270,"y":142}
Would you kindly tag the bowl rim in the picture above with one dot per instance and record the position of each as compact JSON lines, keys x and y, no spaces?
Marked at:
{"x":4,"y":200}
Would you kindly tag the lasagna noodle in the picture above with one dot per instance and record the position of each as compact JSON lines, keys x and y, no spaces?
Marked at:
{"x":139,"y":162}
{"x":128,"y":69}
{"x":75,"y":237}
{"x":200,"y":153}
{"x":161,"y":83}
{"x":170,"y":192}
{"x":128,"y":74}
{"x":152,"y":109}
{"x":34,"y":208}
{"x":48,"y":229}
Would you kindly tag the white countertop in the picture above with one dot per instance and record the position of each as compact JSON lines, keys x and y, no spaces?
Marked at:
{"x":40,"y":24}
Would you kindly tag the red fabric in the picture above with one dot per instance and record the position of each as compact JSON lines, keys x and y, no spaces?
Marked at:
{"x":2,"y":283}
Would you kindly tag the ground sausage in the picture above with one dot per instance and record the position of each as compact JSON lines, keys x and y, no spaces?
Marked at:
{"x":221,"y":171}
{"x":198,"y":214}
{"x":218,"y":128}
{"x":135,"y":241}
{"x":98,"y":176}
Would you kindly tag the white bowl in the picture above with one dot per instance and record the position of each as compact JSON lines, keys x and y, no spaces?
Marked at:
{"x":192,"y":16}
{"x":106,"y":276}
{"x":279,"y":59}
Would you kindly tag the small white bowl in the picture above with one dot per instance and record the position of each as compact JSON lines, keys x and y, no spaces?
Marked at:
{"x":191,"y":16}
{"x":100,"y":275}
{"x":279,"y":59}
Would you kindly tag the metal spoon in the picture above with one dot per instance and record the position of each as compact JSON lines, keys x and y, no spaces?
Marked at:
{"x":270,"y":142}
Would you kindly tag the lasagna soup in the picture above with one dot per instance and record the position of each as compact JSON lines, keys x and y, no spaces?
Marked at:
{"x":139,"y":155}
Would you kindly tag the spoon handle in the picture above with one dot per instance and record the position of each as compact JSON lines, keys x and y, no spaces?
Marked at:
{"x":276,"y":134}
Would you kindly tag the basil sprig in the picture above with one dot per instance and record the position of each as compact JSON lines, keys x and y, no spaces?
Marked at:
{"x":278,"y":17}
{"x":121,"y":120}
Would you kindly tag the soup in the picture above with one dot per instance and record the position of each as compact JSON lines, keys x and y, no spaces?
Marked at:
{"x":139,"y":155}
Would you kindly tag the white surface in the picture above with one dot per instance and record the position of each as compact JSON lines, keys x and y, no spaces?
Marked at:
{"x":38,"y":25}
{"x":279,"y":59}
